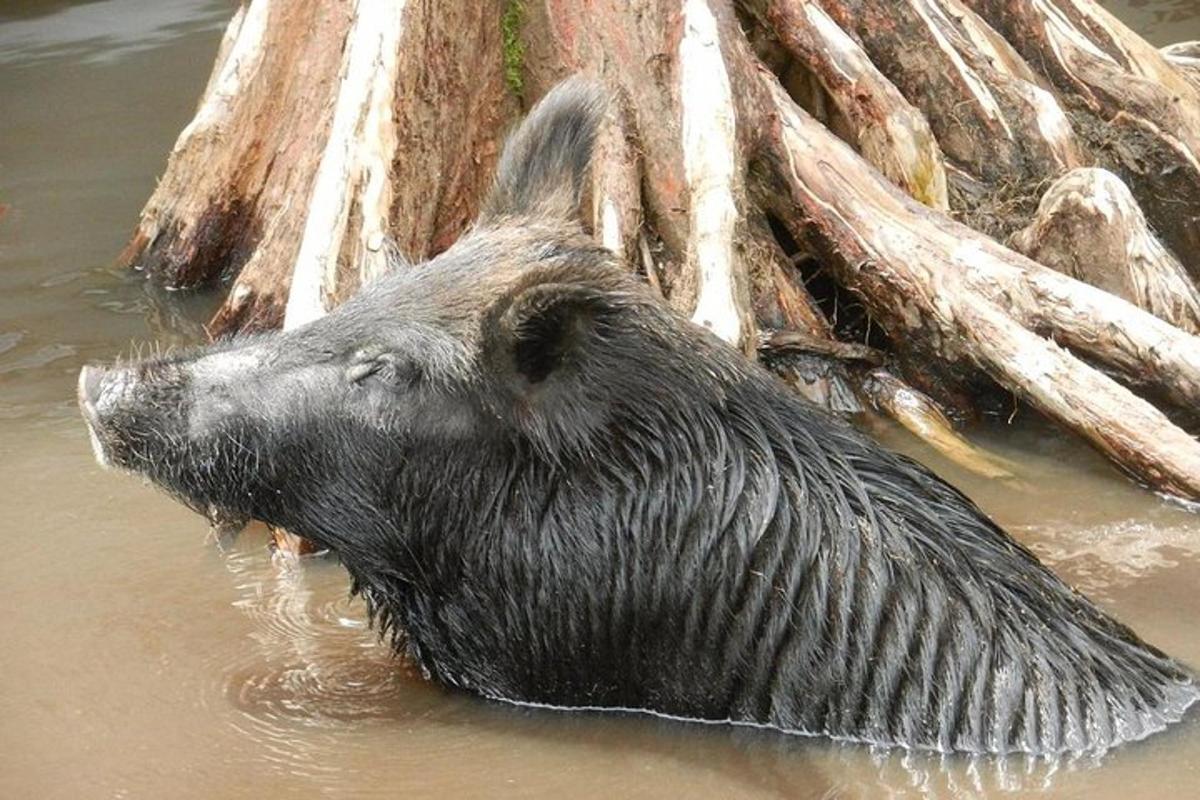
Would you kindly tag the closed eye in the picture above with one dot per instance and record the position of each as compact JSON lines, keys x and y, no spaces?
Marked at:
{"x":359,"y":372}
{"x":388,"y":368}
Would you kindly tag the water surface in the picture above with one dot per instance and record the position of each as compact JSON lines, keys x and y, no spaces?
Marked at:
{"x":140,"y":660}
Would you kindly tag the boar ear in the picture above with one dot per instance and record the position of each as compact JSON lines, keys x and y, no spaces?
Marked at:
{"x":544,"y":332}
{"x":545,"y":162}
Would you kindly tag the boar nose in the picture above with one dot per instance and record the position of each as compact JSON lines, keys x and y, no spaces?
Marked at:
{"x":87,"y":391}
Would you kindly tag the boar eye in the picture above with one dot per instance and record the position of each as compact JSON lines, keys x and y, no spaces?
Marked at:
{"x":389,"y":368}
{"x":362,"y":370}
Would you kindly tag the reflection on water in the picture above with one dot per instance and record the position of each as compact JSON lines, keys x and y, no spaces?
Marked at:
{"x":312,"y":666}
{"x":141,"y":661}
{"x":322,"y":664}
{"x":106,"y":31}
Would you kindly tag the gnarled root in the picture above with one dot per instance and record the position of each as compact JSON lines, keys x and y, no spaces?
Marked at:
{"x":1089,"y":226}
{"x":967,"y":298}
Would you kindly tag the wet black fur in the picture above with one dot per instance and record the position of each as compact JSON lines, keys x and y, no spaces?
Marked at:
{"x":551,"y":489}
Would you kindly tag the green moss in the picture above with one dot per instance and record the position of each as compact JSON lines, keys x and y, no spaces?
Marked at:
{"x":514,"y":48}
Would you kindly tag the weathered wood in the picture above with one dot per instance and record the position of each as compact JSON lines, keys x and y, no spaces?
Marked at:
{"x":886,"y":129}
{"x":332,"y":132}
{"x":313,"y":114}
{"x":234,"y":185}
{"x":617,"y":186}
{"x":968,"y":299}
{"x":348,"y":203}
{"x":990,"y":115}
{"x":714,"y":176}
{"x":1139,"y":113}
{"x":694,"y":135}
{"x":781,"y":301}
{"x":1184,"y":57}
{"x":1089,"y":226}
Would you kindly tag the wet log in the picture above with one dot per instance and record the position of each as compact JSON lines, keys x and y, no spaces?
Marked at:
{"x":922,"y":417}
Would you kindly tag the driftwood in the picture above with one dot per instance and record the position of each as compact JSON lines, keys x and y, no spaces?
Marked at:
{"x":828,"y":181}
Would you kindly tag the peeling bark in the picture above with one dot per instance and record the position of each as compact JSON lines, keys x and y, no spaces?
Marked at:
{"x":235,"y":183}
{"x":617,"y":188}
{"x":713,"y":177}
{"x":354,"y":166}
{"x":344,"y":96}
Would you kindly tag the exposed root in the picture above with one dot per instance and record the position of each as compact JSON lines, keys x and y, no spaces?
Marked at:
{"x":326,"y":125}
{"x":992,"y":119}
{"x":965,"y":294}
{"x":922,"y":417}
{"x":1135,"y":109}
{"x":1185,"y":58}
{"x":1131,"y":432}
{"x":238,"y":58}
{"x":354,"y":166}
{"x":710,"y":148}
{"x":887,"y":130}
{"x":1089,"y":226}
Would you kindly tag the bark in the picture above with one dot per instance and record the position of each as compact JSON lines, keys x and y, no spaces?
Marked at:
{"x":969,"y":299}
{"x":1089,"y":226}
{"x":315,"y":113}
{"x":990,"y":112}
{"x":820,"y":182}
{"x":617,"y":188}
{"x":1138,"y":112}
{"x":235,"y":171}
{"x":885,"y":128}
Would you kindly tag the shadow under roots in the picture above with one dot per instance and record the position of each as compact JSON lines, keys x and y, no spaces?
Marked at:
{"x":848,"y":317}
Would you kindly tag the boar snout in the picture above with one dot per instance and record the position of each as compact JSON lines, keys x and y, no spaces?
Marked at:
{"x":87,"y":391}
{"x":94,"y":392}
{"x":126,"y":407}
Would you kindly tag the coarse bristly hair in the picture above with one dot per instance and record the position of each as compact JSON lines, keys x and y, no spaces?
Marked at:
{"x":552,"y":489}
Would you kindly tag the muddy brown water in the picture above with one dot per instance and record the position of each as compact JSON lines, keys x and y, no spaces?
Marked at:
{"x":140,"y":660}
